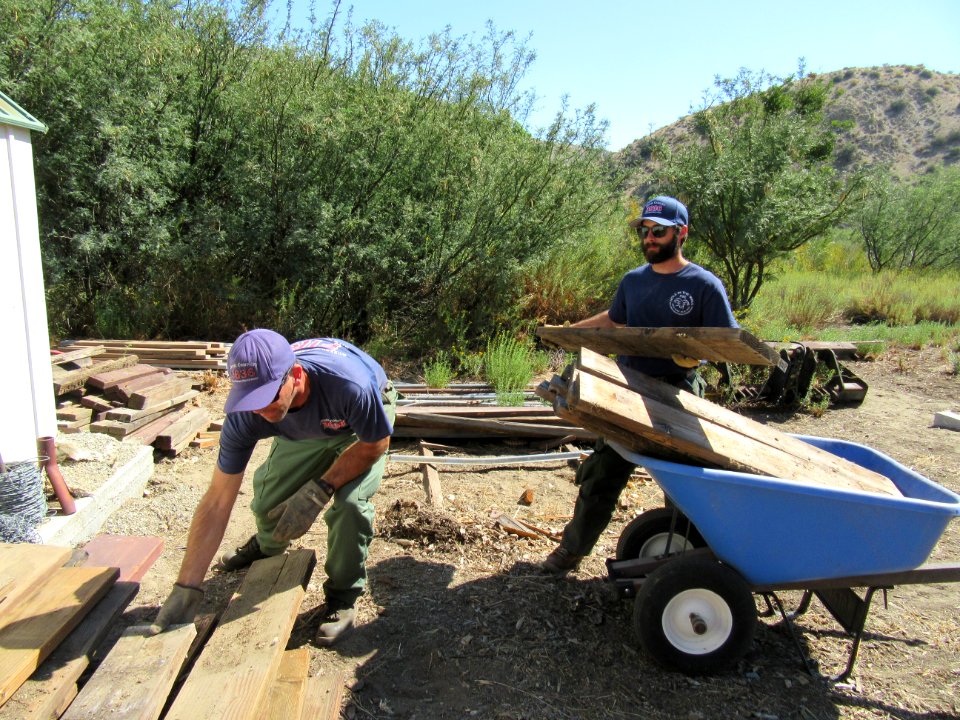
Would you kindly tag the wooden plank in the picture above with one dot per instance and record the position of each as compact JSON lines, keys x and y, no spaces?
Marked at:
{"x":160,"y":344}
{"x":477,"y":411}
{"x":123,"y":390}
{"x":112,"y":378}
{"x":44,"y":618}
{"x":700,"y":439}
{"x":77,"y":378}
{"x":431,"y":479}
{"x":287,"y":693}
{"x":852,"y":475}
{"x":74,"y":355}
{"x":130,"y":415}
{"x":133,"y":680}
{"x":149,"y":432}
{"x":183,"y":430}
{"x":75,"y":414}
{"x":324,"y":696}
{"x":153,"y":396}
{"x":23,"y":567}
{"x":232,"y":676}
{"x":704,"y":343}
{"x":53,"y":686}
{"x":131,"y":555}
{"x":493,"y":427}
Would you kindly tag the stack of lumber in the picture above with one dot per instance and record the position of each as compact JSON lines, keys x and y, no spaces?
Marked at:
{"x":182,"y":355}
{"x":236,"y":668}
{"x":484,"y":421}
{"x":125,"y":398}
{"x":56,"y":607}
{"x":653,"y":418}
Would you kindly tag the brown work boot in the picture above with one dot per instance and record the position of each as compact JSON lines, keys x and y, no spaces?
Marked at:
{"x":561,"y":561}
{"x":243,"y":556}
{"x":334,"y":625}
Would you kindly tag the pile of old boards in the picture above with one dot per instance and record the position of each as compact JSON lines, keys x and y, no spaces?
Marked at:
{"x":182,"y":355}
{"x":125,"y":398}
{"x":469,"y":411}
{"x":653,"y":418}
{"x":54,"y":620}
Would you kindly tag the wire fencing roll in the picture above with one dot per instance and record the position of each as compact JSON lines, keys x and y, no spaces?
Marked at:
{"x":23,"y":503}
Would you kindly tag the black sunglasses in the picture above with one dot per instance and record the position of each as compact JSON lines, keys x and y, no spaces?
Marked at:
{"x":280,"y":389}
{"x":658,"y":231}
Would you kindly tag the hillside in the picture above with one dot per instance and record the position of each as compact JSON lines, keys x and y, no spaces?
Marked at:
{"x":907,"y":117}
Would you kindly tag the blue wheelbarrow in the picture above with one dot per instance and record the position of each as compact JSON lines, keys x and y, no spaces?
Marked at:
{"x":695,"y":566}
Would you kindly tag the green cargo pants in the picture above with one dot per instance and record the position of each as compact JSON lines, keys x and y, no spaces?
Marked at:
{"x":349,"y":517}
{"x":602,"y":477}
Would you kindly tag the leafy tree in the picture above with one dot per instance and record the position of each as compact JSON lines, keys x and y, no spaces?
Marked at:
{"x":756,"y":177}
{"x":911,"y":225}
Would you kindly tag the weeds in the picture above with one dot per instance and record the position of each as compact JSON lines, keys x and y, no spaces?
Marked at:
{"x":438,"y":373}
{"x":508,"y":366}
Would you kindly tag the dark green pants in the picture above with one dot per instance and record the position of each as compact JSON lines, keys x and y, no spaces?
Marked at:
{"x":349,"y":517}
{"x":601,"y":478}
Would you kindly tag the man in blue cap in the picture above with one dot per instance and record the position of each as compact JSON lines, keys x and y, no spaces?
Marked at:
{"x":330,"y":409}
{"x":669,"y":291}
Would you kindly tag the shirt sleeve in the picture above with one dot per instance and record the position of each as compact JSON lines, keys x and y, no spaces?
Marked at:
{"x":618,"y":306}
{"x":238,"y":438}
{"x":716,"y":308}
{"x":367,"y":416}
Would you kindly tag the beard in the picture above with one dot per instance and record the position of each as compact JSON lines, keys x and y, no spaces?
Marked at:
{"x":660,"y":253}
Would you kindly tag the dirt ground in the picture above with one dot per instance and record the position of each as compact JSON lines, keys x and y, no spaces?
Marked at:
{"x":460,"y":623}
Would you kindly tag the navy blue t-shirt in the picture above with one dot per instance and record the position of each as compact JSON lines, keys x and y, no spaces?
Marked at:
{"x":345,"y":397}
{"x":690,"y":297}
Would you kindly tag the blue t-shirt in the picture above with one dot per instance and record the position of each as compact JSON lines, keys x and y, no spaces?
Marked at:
{"x":345,"y":397}
{"x":690,"y":297}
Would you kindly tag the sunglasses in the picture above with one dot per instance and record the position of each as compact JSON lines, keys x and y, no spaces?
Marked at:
{"x":658,"y":231}
{"x":280,"y":389}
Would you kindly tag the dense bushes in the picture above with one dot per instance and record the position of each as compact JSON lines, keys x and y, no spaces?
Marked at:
{"x":201,"y":175}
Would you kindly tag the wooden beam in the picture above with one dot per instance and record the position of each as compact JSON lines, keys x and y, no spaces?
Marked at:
{"x":431,"y":479}
{"x":324,"y":696}
{"x":74,"y":355}
{"x":288,"y":691}
{"x":76,"y":379}
{"x":704,"y":343}
{"x":233,"y":674}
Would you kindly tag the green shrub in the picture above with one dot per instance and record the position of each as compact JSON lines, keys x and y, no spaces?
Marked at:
{"x":438,"y":373}
{"x":508,"y":366}
{"x":897,"y":107}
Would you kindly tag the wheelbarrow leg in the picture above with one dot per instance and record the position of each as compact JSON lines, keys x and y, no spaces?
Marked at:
{"x":808,"y":663}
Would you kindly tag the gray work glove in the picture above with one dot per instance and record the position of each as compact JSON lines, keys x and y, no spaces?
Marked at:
{"x":298,"y":511}
{"x":180,"y":608}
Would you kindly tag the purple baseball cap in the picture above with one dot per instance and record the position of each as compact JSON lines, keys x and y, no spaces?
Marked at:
{"x":663,"y":210}
{"x":258,"y":362}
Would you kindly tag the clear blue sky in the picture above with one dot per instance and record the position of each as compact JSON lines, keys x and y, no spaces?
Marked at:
{"x":645,"y":64}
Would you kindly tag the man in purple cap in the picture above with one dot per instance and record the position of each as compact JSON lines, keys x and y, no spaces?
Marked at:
{"x":669,"y":291}
{"x":330,"y":409}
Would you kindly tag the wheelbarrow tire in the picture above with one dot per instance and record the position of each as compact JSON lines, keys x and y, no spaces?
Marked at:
{"x":695,"y":615}
{"x":646,"y":535}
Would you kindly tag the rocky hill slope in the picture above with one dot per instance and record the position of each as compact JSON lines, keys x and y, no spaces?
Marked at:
{"x":905,"y":117}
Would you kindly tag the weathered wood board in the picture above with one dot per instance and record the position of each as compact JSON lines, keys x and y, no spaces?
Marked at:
{"x":288,"y":691}
{"x":23,"y":567}
{"x":44,"y":618}
{"x":324,"y":696}
{"x":134,"y":679}
{"x":733,"y":345}
{"x":232,"y":676}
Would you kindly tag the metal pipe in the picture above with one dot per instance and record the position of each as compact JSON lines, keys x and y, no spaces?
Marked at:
{"x":48,"y":453}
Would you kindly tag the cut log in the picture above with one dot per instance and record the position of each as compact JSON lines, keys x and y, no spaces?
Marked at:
{"x":133,"y":680}
{"x":704,"y":343}
{"x":233,"y":674}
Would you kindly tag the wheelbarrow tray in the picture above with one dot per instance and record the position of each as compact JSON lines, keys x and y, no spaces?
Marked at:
{"x":775,"y":531}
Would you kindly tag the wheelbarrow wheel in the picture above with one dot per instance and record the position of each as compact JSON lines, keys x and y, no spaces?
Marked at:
{"x":695,"y":615}
{"x":648,"y":535}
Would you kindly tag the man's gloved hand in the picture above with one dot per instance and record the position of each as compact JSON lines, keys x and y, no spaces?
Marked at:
{"x":178,"y":609}
{"x":685,"y":360}
{"x":298,"y":512}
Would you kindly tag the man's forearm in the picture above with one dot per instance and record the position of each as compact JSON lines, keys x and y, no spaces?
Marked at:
{"x":601,"y":320}
{"x":207,"y":528}
{"x":354,"y":461}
